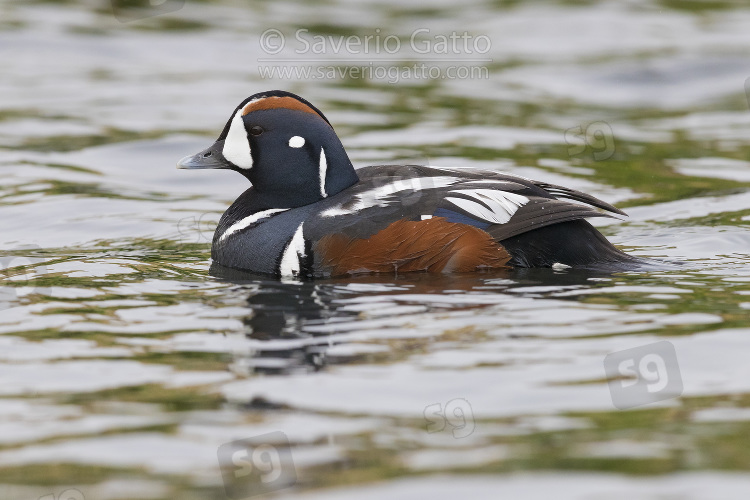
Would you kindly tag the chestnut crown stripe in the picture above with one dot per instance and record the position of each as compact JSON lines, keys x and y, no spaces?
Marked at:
{"x":277,"y":103}
{"x":283,"y":97}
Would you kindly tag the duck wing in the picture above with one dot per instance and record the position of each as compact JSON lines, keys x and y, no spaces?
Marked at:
{"x":405,"y":216}
{"x":501,"y":204}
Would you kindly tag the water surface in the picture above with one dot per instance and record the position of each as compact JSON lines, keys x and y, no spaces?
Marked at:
{"x":126,"y":361}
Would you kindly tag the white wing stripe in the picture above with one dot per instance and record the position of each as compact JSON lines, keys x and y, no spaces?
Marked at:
{"x":501,"y":205}
{"x":477,"y":209}
{"x":379,"y":196}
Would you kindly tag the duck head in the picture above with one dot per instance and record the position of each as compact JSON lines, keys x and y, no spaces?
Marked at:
{"x":284,"y":146}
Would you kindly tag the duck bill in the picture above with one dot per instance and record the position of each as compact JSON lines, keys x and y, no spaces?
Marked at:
{"x":210,"y":157}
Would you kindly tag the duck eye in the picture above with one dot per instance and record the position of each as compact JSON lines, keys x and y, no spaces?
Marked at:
{"x":256,"y":130}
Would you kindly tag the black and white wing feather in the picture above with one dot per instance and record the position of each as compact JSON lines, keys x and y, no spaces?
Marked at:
{"x":506,"y":205}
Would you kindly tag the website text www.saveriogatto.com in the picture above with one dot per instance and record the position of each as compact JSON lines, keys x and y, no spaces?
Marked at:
{"x":392,"y":74}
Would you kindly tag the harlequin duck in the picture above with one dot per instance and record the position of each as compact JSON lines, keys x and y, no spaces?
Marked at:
{"x":310,"y":214}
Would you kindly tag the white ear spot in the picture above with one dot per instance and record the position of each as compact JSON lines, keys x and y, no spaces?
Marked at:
{"x":296,"y":142}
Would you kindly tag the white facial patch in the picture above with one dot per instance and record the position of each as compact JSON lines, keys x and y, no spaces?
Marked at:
{"x":296,"y":142}
{"x":496,"y":207}
{"x":295,"y":251}
{"x":323,"y":167}
{"x":236,"y":145}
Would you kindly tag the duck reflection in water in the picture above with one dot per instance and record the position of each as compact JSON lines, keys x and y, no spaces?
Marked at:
{"x":296,"y":322}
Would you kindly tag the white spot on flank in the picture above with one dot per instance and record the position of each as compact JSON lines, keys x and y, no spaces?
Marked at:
{"x":558,"y":266}
{"x":296,"y":141}
{"x":293,"y":254}
{"x":378,"y":196}
{"x":250,"y":219}
{"x":236,"y":145}
{"x":502,"y":204}
{"x":426,"y":217}
{"x":323,"y":168}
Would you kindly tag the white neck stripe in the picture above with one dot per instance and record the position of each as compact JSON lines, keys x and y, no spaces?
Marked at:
{"x":323,"y":166}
